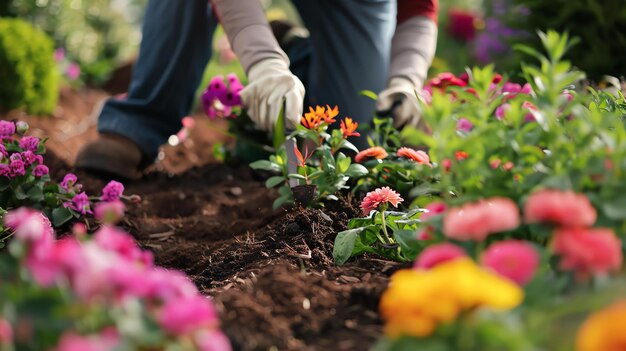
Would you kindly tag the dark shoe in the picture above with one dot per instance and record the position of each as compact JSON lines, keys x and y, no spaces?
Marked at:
{"x":112,"y":156}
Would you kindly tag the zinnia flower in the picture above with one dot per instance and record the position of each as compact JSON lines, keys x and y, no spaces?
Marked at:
{"x":112,"y":191}
{"x":513,"y":259}
{"x":560,"y":207}
{"x":380,"y":196}
{"x":376,"y":152}
{"x":438,"y":253}
{"x":418,"y":156}
{"x":604,"y":330}
{"x":348,"y":128}
{"x":588,"y":251}
{"x":475,"y":221}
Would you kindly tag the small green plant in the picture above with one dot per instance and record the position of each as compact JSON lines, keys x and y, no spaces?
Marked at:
{"x":28,"y":71}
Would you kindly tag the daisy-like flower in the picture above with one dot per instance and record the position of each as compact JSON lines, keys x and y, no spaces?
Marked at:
{"x":330,"y":114}
{"x":312,"y":119}
{"x":380,"y":196}
{"x":376,"y":152}
{"x":418,"y":156}
{"x":348,"y":128}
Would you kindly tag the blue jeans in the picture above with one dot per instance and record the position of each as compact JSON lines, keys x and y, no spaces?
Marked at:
{"x":347,"y":52}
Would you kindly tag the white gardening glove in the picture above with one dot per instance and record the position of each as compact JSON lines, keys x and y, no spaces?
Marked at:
{"x":270,"y":85}
{"x":400,"y":100}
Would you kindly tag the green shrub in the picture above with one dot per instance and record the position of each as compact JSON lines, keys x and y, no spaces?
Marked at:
{"x":600,"y":25}
{"x":28,"y":72}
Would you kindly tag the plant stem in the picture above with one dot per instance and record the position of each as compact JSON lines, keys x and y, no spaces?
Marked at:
{"x":384,"y":223}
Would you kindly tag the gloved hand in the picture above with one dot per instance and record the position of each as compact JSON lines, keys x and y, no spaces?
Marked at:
{"x":400,"y":99}
{"x":270,"y":85}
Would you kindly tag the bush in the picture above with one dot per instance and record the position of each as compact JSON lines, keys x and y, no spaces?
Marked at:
{"x":27,"y":68}
{"x":600,"y":25}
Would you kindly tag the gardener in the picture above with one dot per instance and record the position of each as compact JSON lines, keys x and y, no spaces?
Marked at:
{"x":354,"y":45}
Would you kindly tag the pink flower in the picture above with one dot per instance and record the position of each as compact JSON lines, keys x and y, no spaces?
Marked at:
{"x":80,"y":203}
{"x":6,"y":331}
{"x":40,"y":171}
{"x":446,"y":164}
{"x":29,"y":143}
{"x":112,"y":239}
{"x":438,"y":253}
{"x":166,"y":285}
{"x":434,"y":209}
{"x":188,"y":122}
{"x":588,"y":251}
{"x":7,"y":129}
{"x":29,"y":225}
{"x":464,"y":125}
{"x":69,"y":181}
{"x":461,"y":24}
{"x":59,"y":54}
{"x":380,"y":196}
{"x":560,"y":207}
{"x":513,"y":259}
{"x":73,"y":71}
{"x":501,"y":111}
{"x":418,"y":156}
{"x":183,"y":316}
{"x":29,"y":157}
{"x":475,"y":221}
{"x":70,"y":341}
{"x":17,"y":168}
{"x":112,"y":191}
{"x":110,"y":212}
{"x":212,"y":340}
{"x":59,"y":260}
{"x":376,"y":152}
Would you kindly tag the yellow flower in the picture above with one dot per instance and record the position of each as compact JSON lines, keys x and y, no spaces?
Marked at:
{"x":416,"y":301}
{"x":604,"y":330}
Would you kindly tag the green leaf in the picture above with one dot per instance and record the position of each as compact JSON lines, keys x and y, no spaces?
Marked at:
{"x":296,"y":176}
{"x":409,"y":244}
{"x":281,"y":201}
{"x":343,"y":163}
{"x":274,"y":181}
{"x":344,"y":244}
{"x":279,"y":129}
{"x":615,"y":209}
{"x":370,"y":94}
{"x":60,"y":216}
{"x":356,"y":171}
{"x":265,"y":165}
{"x":35,"y":194}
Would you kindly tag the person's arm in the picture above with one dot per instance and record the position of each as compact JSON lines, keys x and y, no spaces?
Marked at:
{"x":270,"y":82}
{"x":412,"y":51}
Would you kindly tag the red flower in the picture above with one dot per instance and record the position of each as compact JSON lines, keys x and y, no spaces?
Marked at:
{"x":418,"y":156}
{"x":438,"y":253}
{"x":462,"y":24}
{"x":384,"y":195}
{"x":348,"y":128}
{"x":588,"y":251}
{"x":513,"y":259}
{"x":475,"y":221}
{"x":461,"y":155}
{"x":376,"y":152}
{"x":561,"y":207}
{"x":444,"y":80}
{"x":447,"y":165}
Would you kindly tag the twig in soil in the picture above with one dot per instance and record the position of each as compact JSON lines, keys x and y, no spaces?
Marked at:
{"x":162,"y":236}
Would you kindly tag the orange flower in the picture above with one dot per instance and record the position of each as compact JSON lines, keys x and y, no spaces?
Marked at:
{"x":330,"y":114}
{"x":461,"y":155}
{"x":373,"y":152}
{"x":384,"y":195}
{"x":418,"y":156}
{"x":312,"y":119}
{"x":348,"y":128}
{"x":604,"y":330}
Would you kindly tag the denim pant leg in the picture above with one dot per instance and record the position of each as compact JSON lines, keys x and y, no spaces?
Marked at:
{"x":348,"y":52}
{"x":175,"y":49}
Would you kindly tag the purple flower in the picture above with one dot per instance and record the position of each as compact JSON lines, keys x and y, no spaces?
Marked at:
{"x":15,"y":156}
{"x":464,"y":125}
{"x":17,"y":168}
{"x":68,"y":181}
{"x":29,"y":157}
{"x":6,"y":129}
{"x":112,"y":191}
{"x":29,"y":143}
{"x":80,"y":203}
{"x":5,"y":170}
{"x":40,"y":171}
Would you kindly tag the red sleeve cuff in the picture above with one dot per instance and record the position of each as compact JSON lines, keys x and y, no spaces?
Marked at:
{"x":412,"y":8}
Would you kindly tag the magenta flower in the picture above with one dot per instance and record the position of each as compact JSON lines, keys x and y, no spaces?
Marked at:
{"x":69,"y":181}
{"x":112,"y":191}
{"x":80,"y":203}
{"x":70,"y":341}
{"x":5,"y":170}
{"x":59,"y":54}
{"x":219,"y":99}
{"x":183,"y":316}
{"x":73,"y":71}
{"x":512,"y":259}
{"x":112,"y":239}
{"x":501,"y":110}
{"x":7,"y":129}
{"x":3,"y":151}
{"x":29,"y":143}
{"x":29,"y":225}
{"x":17,"y":168}
{"x":109,"y":212}
{"x":438,"y":253}
{"x":464,"y":125}
{"x":40,"y":171}
{"x":29,"y":157}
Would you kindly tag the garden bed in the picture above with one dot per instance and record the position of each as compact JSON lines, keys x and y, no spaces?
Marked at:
{"x":270,"y":273}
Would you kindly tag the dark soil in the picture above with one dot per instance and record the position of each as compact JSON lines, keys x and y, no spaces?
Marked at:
{"x":269,"y":272}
